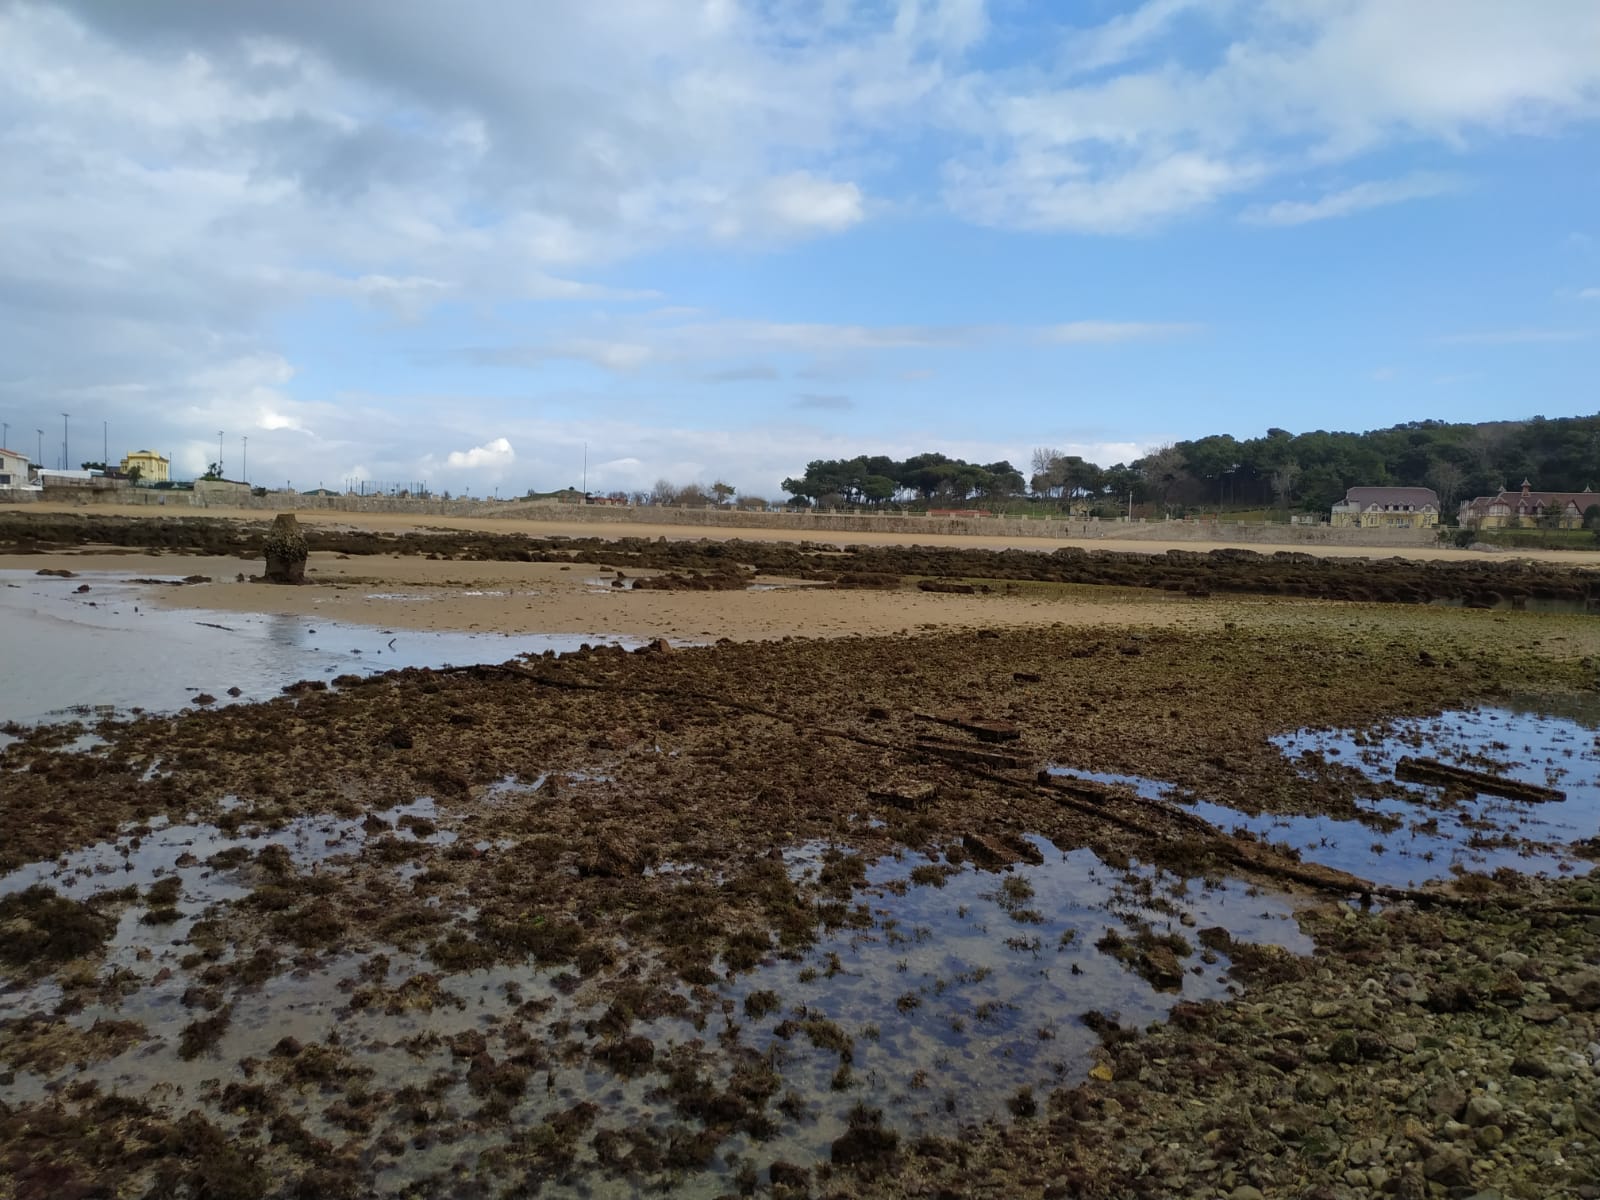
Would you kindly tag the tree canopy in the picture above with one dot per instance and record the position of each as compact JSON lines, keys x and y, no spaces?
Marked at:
{"x":1314,"y":470}
{"x":878,"y":479}
{"x":1310,"y":470}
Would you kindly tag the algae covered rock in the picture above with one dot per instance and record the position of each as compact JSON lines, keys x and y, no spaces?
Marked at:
{"x":285,"y":551}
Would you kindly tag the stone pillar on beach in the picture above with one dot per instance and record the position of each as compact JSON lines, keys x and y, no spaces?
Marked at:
{"x":286,"y":551}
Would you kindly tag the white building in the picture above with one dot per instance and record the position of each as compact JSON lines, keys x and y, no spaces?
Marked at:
{"x":13,"y":469}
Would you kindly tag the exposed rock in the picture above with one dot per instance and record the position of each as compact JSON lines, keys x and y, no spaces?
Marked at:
{"x":285,"y":551}
{"x":1580,"y":989}
{"x":1484,"y":1110}
{"x":1450,"y":1166}
{"x":1160,"y":966}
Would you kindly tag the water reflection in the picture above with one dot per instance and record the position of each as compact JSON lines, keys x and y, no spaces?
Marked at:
{"x":108,"y":649}
{"x":1410,"y":833}
{"x":958,"y":991}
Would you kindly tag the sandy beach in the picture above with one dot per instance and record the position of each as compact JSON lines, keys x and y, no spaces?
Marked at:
{"x":398,"y":522}
{"x":406,"y":592}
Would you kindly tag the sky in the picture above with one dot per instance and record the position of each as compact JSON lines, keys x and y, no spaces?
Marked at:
{"x":528,"y":246}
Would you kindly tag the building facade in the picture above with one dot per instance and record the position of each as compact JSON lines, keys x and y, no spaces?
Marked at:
{"x":152,"y":467}
{"x":1387,"y":508}
{"x":13,"y":469}
{"x":1528,"y":509}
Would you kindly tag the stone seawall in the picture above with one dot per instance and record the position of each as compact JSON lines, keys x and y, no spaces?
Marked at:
{"x":829,"y":526}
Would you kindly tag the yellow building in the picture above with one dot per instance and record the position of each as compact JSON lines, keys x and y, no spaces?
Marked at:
{"x":152,"y":467}
{"x":1388,"y":508}
{"x":1528,"y":509}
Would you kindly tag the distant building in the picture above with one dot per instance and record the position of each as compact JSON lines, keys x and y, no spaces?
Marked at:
{"x":152,"y":467}
{"x":1527,"y":508}
{"x":211,"y":491}
{"x":1388,"y":508}
{"x":13,"y":469}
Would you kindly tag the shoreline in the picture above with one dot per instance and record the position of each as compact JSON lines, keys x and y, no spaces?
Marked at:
{"x":513,"y":598}
{"x":616,"y":531}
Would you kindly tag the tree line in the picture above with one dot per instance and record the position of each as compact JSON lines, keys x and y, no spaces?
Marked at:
{"x":878,"y":480}
{"x":1309,"y":471}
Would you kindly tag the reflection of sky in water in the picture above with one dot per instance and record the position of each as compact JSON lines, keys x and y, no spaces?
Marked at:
{"x":1548,"y":742}
{"x":953,"y":1005}
{"x":110,"y":647}
{"x":989,"y":1018}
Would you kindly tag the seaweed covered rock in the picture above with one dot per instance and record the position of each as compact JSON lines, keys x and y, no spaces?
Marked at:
{"x":285,"y":551}
{"x":39,"y":928}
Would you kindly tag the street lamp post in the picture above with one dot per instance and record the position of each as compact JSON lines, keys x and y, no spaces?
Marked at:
{"x":219,"y":454}
{"x":245,"y":469}
{"x":66,"y":449}
{"x":38,"y":459}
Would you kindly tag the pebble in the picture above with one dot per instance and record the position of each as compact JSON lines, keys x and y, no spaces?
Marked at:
{"x":1450,"y":1165}
{"x":1484,"y":1110}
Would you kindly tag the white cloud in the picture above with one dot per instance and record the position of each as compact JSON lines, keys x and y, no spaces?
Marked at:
{"x":1076,"y":333}
{"x":1293,"y":86}
{"x":1592,"y":293}
{"x":1359,"y":198}
{"x":802,"y":202}
{"x":495,"y":456}
{"x":1052,"y":190}
{"x":176,"y":179}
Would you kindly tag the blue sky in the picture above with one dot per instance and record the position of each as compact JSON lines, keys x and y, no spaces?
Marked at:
{"x":711,"y":239}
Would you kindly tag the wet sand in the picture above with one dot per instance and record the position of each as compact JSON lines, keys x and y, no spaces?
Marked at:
{"x":407,"y":592}
{"x":398,"y":522}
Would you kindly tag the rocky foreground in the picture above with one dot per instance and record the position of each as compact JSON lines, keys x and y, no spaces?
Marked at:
{"x":548,"y":978}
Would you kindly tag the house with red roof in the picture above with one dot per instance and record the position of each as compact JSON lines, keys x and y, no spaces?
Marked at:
{"x":1527,"y":509}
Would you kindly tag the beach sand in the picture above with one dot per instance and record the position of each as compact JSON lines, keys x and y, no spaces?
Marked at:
{"x":399,"y":522}
{"x":408,"y":592}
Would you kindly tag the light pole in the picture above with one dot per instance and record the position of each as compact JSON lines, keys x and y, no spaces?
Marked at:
{"x":38,"y":459}
{"x":245,"y":469}
{"x":66,"y":454}
{"x":105,"y":445}
{"x":219,"y":454}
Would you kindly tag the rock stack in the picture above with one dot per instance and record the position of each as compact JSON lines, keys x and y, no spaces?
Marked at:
{"x":286,"y":551}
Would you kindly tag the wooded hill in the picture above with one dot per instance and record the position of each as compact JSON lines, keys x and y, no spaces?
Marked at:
{"x":1307,"y":471}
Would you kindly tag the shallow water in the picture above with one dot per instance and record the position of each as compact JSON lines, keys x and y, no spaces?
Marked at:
{"x":1408,"y":841}
{"x":958,"y":996}
{"x":1002,"y":967}
{"x":110,"y":649}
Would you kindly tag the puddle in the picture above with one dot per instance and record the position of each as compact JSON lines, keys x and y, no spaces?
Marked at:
{"x":1418,"y":835}
{"x":160,"y":849}
{"x":62,"y":641}
{"x":955,"y":997}
{"x":955,"y":989}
